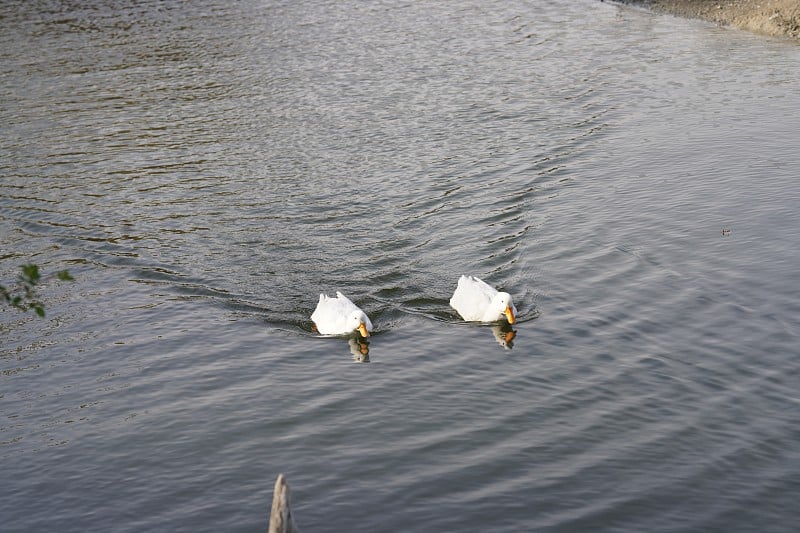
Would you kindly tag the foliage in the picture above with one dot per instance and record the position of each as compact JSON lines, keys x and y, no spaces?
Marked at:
{"x":22,"y":295}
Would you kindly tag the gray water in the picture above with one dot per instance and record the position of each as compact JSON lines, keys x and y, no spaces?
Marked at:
{"x":205,"y":169}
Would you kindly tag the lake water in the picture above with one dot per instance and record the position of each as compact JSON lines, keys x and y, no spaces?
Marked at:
{"x":206,"y":169}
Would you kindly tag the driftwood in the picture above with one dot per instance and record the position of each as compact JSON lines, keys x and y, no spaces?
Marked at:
{"x":280,"y":519}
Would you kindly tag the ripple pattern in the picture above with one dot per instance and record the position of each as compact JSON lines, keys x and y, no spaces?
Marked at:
{"x":206,"y":169}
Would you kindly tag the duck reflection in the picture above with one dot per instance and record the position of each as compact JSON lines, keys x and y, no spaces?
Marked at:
{"x":504,"y":334}
{"x":359,"y":347}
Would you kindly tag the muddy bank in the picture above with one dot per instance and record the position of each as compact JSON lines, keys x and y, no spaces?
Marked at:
{"x":768,"y":17}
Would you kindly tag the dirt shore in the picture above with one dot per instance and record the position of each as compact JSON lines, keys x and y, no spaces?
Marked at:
{"x":768,"y":17}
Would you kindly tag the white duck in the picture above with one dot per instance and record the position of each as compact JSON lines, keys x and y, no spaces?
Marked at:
{"x":477,"y":301}
{"x":340,"y":316}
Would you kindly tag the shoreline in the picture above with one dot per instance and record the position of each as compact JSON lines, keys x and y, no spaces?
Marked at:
{"x":778,"y":18}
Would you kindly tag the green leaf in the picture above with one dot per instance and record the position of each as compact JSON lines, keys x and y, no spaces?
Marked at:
{"x":26,"y":298}
{"x":30,"y":273}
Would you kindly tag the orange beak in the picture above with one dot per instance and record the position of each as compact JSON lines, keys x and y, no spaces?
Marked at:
{"x":510,"y":315}
{"x":362,"y":328}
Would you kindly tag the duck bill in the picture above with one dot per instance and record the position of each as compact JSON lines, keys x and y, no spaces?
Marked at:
{"x":510,"y":315}
{"x":362,"y":328}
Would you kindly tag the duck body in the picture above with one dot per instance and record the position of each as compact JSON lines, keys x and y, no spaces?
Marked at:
{"x":340,"y":316}
{"x":477,"y":301}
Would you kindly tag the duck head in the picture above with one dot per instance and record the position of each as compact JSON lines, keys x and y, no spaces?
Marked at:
{"x":503,"y":306}
{"x":359,"y":322}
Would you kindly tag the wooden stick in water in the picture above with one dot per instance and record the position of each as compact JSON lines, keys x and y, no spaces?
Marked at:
{"x":280,"y":519}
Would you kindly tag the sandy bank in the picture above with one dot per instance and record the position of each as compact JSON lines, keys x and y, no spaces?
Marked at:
{"x":768,"y":17}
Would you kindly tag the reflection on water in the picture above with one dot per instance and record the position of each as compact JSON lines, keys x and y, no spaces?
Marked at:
{"x":504,"y":334}
{"x":359,"y":348}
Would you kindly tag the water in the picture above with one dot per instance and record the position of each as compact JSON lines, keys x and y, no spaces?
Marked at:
{"x":206,"y":169}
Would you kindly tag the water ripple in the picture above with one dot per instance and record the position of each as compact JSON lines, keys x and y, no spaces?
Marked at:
{"x":206,"y":171}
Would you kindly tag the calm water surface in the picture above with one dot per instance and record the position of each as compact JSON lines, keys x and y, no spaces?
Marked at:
{"x":206,"y":169}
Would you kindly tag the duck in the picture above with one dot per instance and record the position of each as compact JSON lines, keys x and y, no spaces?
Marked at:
{"x":340,"y":316}
{"x":477,"y":301}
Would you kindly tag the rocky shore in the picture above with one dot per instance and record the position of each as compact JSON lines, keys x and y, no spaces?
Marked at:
{"x":768,"y":17}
